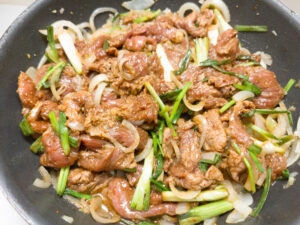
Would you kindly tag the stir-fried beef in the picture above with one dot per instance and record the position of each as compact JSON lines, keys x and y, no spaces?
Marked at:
{"x":277,"y":162}
{"x":26,"y":90}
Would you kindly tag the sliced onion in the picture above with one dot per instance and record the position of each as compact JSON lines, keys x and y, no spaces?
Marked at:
{"x":259,"y":121}
{"x":101,"y":217}
{"x":285,"y":116}
{"x":217,"y":4}
{"x":183,"y":194}
{"x":266,"y":59}
{"x":196,"y":108}
{"x":201,"y":121}
{"x":67,"y":44}
{"x":213,"y":34}
{"x":84,"y":25}
{"x":58,"y":27}
{"x":148,"y":148}
{"x":182,"y":207}
{"x":211,"y":221}
{"x":167,"y":220}
{"x":96,"y":80}
{"x":271,"y":124}
{"x":68,"y":219}
{"x":176,"y":149}
{"x":98,"y":93}
{"x":97,"y":12}
{"x":281,"y":127}
{"x":138,"y":4}
{"x":42,"y":61}
{"x":164,"y":62}
{"x":242,"y":95}
{"x":232,"y":193}
{"x":235,"y":217}
{"x":291,"y":180}
{"x":209,"y":155}
{"x":46,"y":182}
{"x":31,"y":72}
{"x":188,"y":6}
{"x":176,"y":81}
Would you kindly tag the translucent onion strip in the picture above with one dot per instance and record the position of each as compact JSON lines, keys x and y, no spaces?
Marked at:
{"x":202,"y":125}
{"x":183,"y":194}
{"x":98,"y":93}
{"x":196,"y":108}
{"x":186,"y":7}
{"x":242,"y":95}
{"x":101,"y":217}
{"x":176,"y":149}
{"x":97,"y":12}
{"x":217,"y":4}
{"x":31,"y":72}
{"x":60,"y":24}
{"x":148,"y":148}
{"x":46,"y":182}
{"x":164,"y":62}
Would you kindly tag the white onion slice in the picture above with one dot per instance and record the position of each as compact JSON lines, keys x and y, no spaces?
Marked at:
{"x":242,"y":95}
{"x":213,"y":34}
{"x":271,"y":124}
{"x":211,"y":221}
{"x":196,"y":108}
{"x":98,"y":93}
{"x":42,"y":61}
{"x":182,"y":207}
{"x":68,"y":219}
{"x":183,"y":194}
{"x":31,"y":72}
{"x":259,"y":121}
{"x":294,"y":153}
{"x":176,"y":149}
{"x":148,"y":148}
{"x":188,"y":6}
{"x":46,"y":182}
{"x":138,"y":4}
{"x":96,"y":80}
{"x":201,"y":121}
{"x":217,"y":4}
{"x":209,"y":155}
{"x":58,"y":27}
{"x":99,"y":217}
{"x":266,"y":59}
{"x":281,"y":127}
{"x":164,"y":62}
{"x":97,"y":12}
{"x":67,"y":43}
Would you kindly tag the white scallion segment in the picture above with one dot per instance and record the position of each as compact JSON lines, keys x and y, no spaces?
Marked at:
{"x":67,"y":43}
{"x":97,"y":12}
{"x":186,"y":7}
{"x":242,"y":95}
{"x":164,"y":62}
{"x":222,"y":24}
{"x":201,"y":47}
{"x":96,"y":80}
{"x":294,"y":154}
{"x":60,"y":24}
{"x":68,"y":219}
{"x":46,"y":182}
{"x":143,"y":185}
{"x":184,"y":195}
{"x":138,"y":4}
{"x":217,"y":4}
{"x":213,"y":34}
{"x":148,"y":148}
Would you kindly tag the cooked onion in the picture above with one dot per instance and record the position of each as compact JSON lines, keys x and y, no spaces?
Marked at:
{"x":148,"y":148}
{"x":259,"y":121}
{"x":291,"y":180}
{"x":168,"y":69}
{"x":176,"y":149}
{"x":217,"y":4}
{"x":196,"y":108}
{"x":266,"y":59}
{"x":31,"y":72}
{"x":46,"y":182}
{"x":97,"y":12}
{"x":99,"y":92}
{"x":100,"y":216}
{"x":182,"y":207}
{"x":271,"y":124}
{"x":201,"y":121}
{"x":183,"y":194}
{"x":242,"y":95}
{"x":188,"y":6}
{"x":43,"y":60}
{"x":213,"y":34}
{"x":281,"y":127}
{"x":60,"y":24}
{"x":285,"y":116}
{"x":211,"y":221}
{"x":96,"y":80}
{"x":138,"y":4}
{"x":68,"y":219}
{"x":209,"y":155}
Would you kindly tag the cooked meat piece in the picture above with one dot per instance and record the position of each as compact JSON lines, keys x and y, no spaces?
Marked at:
{"x":213,"y":173}
{"x":41,"y":72}
{"x":216,"y":138}
{"x":54,"y":154}
{"x":143,"y":138}
{"x":133,"y":178}
{"x":219,"y":79}
{"x":213,"y":102}
{"x":92,"y":142}
{"x":106,"y":159}
{"x":277,"y":162}
{"x":272,"y":92}
{"x":120,"y":195}
{"x":47,"y":107}
{"x":26,"y":90}
{"x":138,"y":43}
{"x":236,"y":129}
{"x":228,"y":44}
{"x":39,"y":112}
{"x":167,"y":147}
{"x":235,"y":165}
{"x":85,"y":181}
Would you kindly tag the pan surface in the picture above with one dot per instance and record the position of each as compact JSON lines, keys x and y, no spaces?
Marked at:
{"x":18,"y":166}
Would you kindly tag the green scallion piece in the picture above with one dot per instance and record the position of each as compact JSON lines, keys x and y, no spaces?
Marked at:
{"x":217,"y":158}
{"x":247,"y":57}
{"x":105,"y":45}
{"x":183,"y":63}
{"x":203,"y":166}
{"x":285,"y":173}
{"x":37,"y":146}
{"x":248,"y":86}
{"x":264,"y":195}
{"x":159,"y":185}
{"x":64,"y":133}
{"x":289,"y":85}
{"x":62,"y":180}
{"x":170,"y":96}
{"x":49,"y":73}
{"x":73,"y":142}
{"x":285,"y":139}
{"x":255,"y":159}
{"x":25,"y":126}
{"x":227,"y":106}
{"x":146,"y":223}
{"x":146,"y":18}
{"x":261,"y":131}
{"x":178,"y":113}
{"x":255,"y":149}
{"x":160,"y":131}
{"x":77,"y":194}
{"x":251,"y":28}
{"x":54,"y":122}
{"x":52,"y":53}
{"x":129,"y":170}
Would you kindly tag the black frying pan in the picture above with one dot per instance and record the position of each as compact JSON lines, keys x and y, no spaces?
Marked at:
{"x":18,"y":166}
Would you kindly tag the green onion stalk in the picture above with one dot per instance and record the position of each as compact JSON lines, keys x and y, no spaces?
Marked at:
{"x":37,"y":146}
{"x":146,"y":18}
{"x":201,"y":49}
{"x":62,"y":180}
{"x":289,"y":85}
{"x":25,"y":126}
{"x":49,"y":73}
{"x":183,"y":63}
{"x":51,"y":53}
{"x":251,"y":28}
{"x":76,"y":194}
{"x":261,"y":131}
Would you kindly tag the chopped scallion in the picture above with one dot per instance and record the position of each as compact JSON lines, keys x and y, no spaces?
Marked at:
{"x":159,"y":185}
{"x":51,"y":53}
{"x":37,"y":146}
{"x":49,"y":73}
{"x":77,"y":194}
{"x":262,"y":131}
{"x":289,"y":85}
{"x":255,"y":159}
{"x":105,"y":45}
{"x":62,"y":180}
{"x":183,"y":63}
{"x":255,"y":149}
{"x":25,"y":126}
{"x":227,"y":106}
{"x":252,"y":28}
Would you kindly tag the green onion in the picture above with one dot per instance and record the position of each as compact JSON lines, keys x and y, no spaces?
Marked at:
{"x":205,"y":79}
{"x":64,"y":133}
{"x":202,"y":166}
{"x":250,"y":171}
{"x":255,"y":159}
{"x":160,"y":131}
{"x":170,"y":96}
{"x":285,"y":139}
{"x":141,"y":196}
{"x":247,"y":57}
{"x":212,"y":63}
{"x":37,"y":146}
{"x":73,"y":142}
{"x":201,"y":48}
{"x":129,"y":170}
{"x":62,"y":180}
{"x":183,"y":63}
{"x":227,"y":106}
{"x":25,"y":126}
{"x":217,"y":158}
{"x":289,"y":85}
{"x":247,"y":64}
{"x":264,"y":195}
{"x":178,"y":113}
{"x":222,"y":24}
{"x":54,"y":122}
{"x":159,"y":185}
{"x":252,"y":28}
{"x":248,"y":86}
{"x":115,"y":28}
{"x":261,"y":131}
{"x":146,"y":18}
{"x":146,"y":223}
{"x":105,"y":45}
{"x":115,"y":17}
{"x":51,"y":53}
{"x":49,"y":73}
{"x":178,"y":99}
{"x":159,"y":166}
{"x":285,"y":173}
{"x":77,"y":194}
{"x":255,"y":149}
{"x":203,"y":212}
{"x":126,"y":222}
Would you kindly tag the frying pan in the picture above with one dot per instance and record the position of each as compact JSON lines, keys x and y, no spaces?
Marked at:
{"x":18,"y":166}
